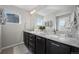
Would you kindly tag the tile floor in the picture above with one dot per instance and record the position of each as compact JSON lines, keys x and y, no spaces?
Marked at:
{"x":20,"y":49}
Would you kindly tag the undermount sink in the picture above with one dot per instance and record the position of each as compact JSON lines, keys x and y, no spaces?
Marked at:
{"x":49,"y":34}
{"x":61,"y":35}
{"x":52,"y":35}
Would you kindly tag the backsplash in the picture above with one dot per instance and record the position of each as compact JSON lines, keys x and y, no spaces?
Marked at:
{"x":73,"y":30}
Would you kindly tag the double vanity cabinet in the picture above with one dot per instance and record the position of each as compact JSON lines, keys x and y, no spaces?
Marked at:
{"x":34,"y":43}
{"x":41,"y":45}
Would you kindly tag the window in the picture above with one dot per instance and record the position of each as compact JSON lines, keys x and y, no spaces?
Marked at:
{"x":12,"y":18}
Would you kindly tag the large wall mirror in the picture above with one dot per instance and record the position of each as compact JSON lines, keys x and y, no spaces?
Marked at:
{"x":62,"y":22}
{"x":38,"y":21}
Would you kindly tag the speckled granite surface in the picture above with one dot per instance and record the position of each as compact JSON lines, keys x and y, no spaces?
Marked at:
{"x":61,"y":39}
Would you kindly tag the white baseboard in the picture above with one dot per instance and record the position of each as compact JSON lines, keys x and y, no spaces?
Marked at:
{"x":13,"y":45}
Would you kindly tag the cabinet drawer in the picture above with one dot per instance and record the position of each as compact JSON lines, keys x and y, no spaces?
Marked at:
{"x":32,"y":36}
{"x":26,"y":34}
{"x":32,"y":40}
{"x":40,"y":38}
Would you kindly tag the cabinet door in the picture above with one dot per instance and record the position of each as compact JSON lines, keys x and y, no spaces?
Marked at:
{"x":74,"y":50}
{"x":40,"y":45}
{"x":32,"y":49}
{"x":26,"y":38}
{"x":32,"y":43}
{"x":53,"y":47}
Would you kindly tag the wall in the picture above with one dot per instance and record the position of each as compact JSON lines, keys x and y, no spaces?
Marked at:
{"x":0,"y":37}
{"x":13,"y":33}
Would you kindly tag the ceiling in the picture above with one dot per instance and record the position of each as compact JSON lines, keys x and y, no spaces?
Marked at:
{"x":55,"y":9}
{"x":27,"y":7}
{"x":47,"y":9}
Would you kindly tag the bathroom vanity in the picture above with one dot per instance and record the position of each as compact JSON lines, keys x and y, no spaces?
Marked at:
{"x":50,"y":44}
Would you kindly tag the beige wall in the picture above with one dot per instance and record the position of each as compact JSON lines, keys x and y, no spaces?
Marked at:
{"x":0,"y":36}
{"x":13,"y":33}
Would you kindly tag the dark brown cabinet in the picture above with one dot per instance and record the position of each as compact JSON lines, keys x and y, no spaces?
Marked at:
{"x":26,"y":38}
{"x":74,"y":50}
{"x":53,"y":47}
{"x":40,"y":45}
{"x":31,"y":43}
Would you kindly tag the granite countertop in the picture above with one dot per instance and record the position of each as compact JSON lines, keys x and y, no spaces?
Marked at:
{"x":61,"y":39}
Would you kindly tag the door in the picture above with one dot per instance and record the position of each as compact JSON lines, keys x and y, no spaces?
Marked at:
{"x":12,"y":30}
{"x":11,"y":34}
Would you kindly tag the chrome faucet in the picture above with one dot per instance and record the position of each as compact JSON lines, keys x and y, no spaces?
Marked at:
{"x":54,"y":31}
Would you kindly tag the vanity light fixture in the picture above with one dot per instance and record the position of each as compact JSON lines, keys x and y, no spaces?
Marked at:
{"x":33,"y":11}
